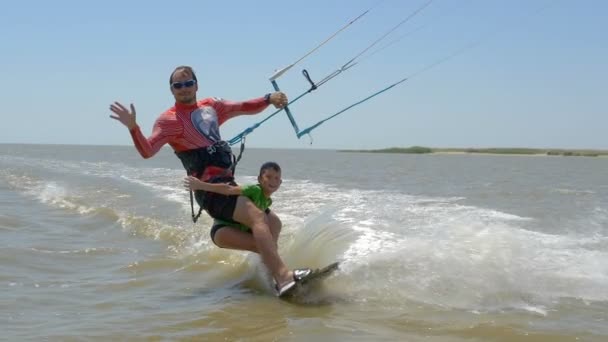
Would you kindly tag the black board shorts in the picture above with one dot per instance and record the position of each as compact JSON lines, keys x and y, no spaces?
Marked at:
{"x":220,"y":206}
{"x":219,"y":225}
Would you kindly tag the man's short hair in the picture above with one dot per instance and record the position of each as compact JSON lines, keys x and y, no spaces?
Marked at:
{"x":186,"y":68}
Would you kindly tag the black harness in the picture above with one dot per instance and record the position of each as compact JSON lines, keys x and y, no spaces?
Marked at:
{"x":195,"y":162}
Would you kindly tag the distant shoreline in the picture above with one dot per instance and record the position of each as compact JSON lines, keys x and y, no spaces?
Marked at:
{"x":491,"y":151}
{"x":399,"y":150}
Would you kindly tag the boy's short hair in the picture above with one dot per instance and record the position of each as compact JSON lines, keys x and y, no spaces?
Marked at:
{"x":269,"y":165}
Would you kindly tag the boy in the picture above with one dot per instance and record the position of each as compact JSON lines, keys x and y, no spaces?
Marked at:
{"x":230,"y":204}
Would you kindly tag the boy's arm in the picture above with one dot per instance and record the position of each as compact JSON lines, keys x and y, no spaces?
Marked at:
{"x":194,"y":183}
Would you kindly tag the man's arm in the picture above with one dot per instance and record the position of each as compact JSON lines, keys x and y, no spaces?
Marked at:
{"x":146,"y":147}
{"x":229,"y":109}
{"x":194,"y":183}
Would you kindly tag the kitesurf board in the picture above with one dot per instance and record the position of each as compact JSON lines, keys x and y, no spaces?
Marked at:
{"x":317,"y":276}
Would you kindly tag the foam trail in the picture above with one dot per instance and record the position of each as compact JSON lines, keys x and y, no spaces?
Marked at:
{"x":440,"y":252}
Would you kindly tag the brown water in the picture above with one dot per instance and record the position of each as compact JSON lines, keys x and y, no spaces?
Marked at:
{"x":96,"y":243}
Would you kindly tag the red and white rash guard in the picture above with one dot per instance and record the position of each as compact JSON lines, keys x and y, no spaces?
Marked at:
{"x":187,"y":127}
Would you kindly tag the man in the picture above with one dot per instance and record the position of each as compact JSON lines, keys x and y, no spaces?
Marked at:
{"x":191,"y":128}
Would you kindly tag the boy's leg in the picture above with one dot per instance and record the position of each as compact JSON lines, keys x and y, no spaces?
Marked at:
{"x":234,"y":238}
{"x":248,"y":214}
{"x":275,"y":224}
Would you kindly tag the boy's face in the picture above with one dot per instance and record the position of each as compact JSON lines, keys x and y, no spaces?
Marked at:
{"x":270,"y":181}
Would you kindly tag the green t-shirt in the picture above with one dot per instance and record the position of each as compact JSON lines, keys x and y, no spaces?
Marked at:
{"x":256,"y":195}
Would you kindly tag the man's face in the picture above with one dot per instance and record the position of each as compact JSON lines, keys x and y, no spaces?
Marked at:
{"x":183,"y":87}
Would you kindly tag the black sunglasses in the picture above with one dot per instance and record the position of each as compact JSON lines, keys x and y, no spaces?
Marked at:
{"x":180,"y":85}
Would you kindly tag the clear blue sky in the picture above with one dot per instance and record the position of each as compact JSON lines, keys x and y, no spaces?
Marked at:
{"x":537,"y":82}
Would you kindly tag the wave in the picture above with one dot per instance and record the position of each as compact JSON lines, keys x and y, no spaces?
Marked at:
{"x":395,"y":248}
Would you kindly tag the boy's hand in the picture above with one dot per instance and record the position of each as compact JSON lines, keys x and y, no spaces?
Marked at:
{"x":190,"y":183}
